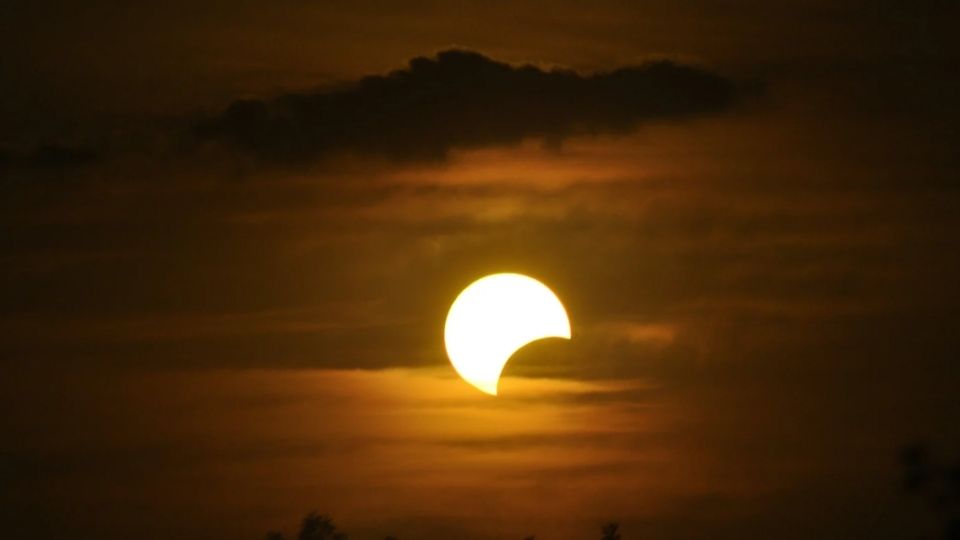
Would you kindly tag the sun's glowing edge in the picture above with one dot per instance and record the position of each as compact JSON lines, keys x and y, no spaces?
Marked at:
{"x":493,"y":318}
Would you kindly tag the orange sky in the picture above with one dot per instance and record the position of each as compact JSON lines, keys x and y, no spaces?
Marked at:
{"x":198,"y":340}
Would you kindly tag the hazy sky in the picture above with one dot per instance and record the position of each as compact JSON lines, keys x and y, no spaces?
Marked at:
{"x":230,"y":233}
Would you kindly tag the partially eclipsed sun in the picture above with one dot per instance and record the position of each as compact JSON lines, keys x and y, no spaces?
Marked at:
{"x":493,"y":318}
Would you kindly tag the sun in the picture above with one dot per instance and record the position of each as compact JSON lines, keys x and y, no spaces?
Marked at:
{"x":493,"y":318}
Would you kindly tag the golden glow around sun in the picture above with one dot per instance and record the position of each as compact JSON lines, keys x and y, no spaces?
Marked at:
{"x":494,"y":317}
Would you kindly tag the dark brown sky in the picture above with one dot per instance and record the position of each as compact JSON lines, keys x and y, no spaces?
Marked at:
{"x":230,"y":231}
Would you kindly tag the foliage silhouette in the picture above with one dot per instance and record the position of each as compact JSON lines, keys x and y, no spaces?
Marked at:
{"x":611,"y":531}
{"x":319,"y":527}
{"x":314,"y":526}
{"x":937,"y":485}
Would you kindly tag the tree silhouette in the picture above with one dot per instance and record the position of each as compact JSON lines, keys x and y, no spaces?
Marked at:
{"x":611,"y":531}
{"x":316,"y":526}
{"x":319,"y":527}
{"x":937,"y":485}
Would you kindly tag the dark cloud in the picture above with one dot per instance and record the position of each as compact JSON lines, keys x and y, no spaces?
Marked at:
{"x":50,"y":157}
{"x":51,"y":165}
{"x":463,"y":99}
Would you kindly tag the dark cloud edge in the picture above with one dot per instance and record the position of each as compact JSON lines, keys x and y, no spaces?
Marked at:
{"x":462,"y":99}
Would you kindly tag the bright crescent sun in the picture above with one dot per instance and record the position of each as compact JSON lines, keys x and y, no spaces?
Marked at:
{"x":493,"y":318}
